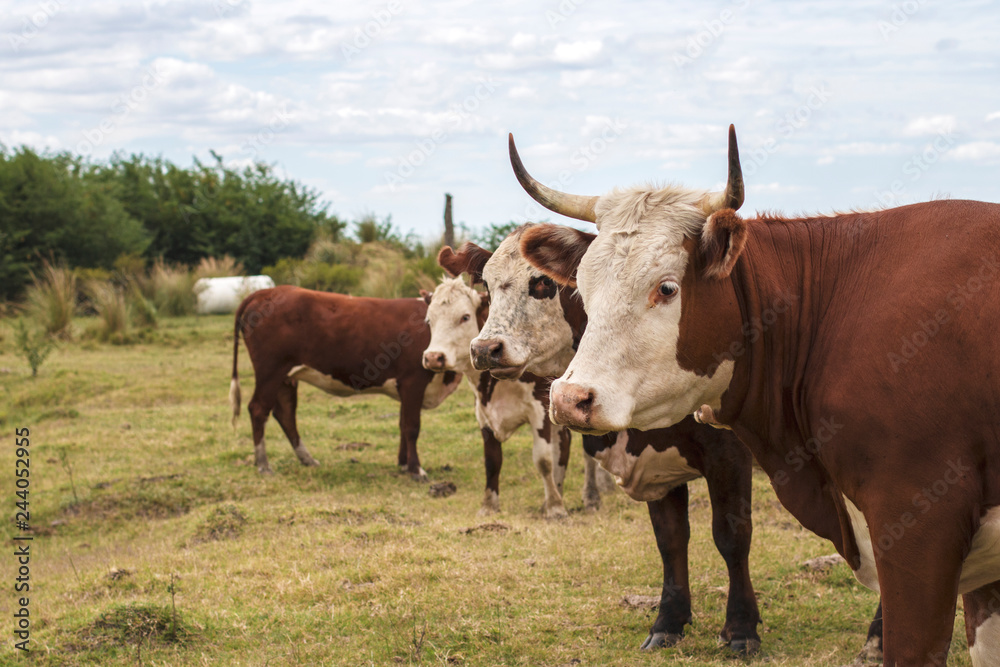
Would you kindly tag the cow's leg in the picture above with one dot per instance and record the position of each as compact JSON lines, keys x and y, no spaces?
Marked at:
{"x":591,"y":494}
{"x":411,"y":395}
{"x":728,"y":473}
{"x":284,"y":412}
{"x":265,"y":396}
{"x":545,"y":437}
{"x":918,"y":578}
{"x":982,"y":624}
{"x":669,"y":517}
{"x":493,"y":455}
{"x":871,"y":653}
{"x":562,"y":460}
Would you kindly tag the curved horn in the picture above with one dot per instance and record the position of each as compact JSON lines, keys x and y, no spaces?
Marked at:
{"x":572,"y":206}
{"x":732,"y":196}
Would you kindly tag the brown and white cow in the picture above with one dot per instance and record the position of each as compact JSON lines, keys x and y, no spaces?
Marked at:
{"x":455,"y":312}
{"x":535,"y":325}
{"x":855,"y":354}
{"x":343,"y":345}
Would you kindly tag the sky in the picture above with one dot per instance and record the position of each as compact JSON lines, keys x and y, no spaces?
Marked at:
{"x":382,"y":107}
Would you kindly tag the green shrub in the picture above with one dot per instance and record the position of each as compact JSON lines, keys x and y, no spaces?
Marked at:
{"x":34,"y":346}
{"x":331,"y":277}
{"x":287,"y":271}
{"x":51,"y":299}
{"x":143,"y":310}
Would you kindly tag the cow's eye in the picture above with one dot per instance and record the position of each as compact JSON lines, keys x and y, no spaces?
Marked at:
{"x":465,"y":318}
{"x":668,"y":289}
{"x":664,"y":293}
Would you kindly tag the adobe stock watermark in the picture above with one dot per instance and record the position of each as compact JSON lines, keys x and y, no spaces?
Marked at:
{"x":34,"y":23}
{"x":923,"y":502}
{"x":958,"y":297}
{"x":582,"y":158}
{"x":365,"y":34}
{"x":224,"y":8}
{"x":899,"y":15}
{"x":916,"y":166}
{"x":279,"y":121}
{"x":425,"y":148}
{"x":712,"y":30}
{"x":786,"y":126}
{"x":121,"y":109}
{"x":565,"y":9}
{"x":753,"y":329}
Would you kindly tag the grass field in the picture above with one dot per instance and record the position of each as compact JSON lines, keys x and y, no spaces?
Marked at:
{"x":157,"y":542}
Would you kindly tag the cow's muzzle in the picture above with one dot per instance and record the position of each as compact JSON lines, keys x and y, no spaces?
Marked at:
{"x":435,"y":361}
{"x":490,"y":354}
{"x":573,"y":406}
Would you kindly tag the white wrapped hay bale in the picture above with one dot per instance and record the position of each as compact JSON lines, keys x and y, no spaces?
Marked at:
{"x":223,"y":295}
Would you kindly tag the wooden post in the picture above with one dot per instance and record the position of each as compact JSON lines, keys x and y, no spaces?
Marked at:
{"x":449,"y":227}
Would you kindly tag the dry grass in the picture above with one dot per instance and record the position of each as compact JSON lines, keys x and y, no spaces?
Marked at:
{"x":51,"y":299}
{"x":218,"y":267}
{"x":352,"y":563}
{"x":170,"y":289}
{"x":114,"y":311}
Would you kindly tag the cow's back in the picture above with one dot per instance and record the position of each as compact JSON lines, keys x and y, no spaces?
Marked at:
{"x":359,"y":341}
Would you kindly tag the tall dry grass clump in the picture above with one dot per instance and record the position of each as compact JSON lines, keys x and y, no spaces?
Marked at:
{"x":51,"y":299}
{"x":170,"y":288}
{"x":218,"y":267}
{"x":113,"y":311}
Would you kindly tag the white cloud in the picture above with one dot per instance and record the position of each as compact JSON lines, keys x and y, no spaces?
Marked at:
{"x":577,"y":53}
{"x":924,"y":125}
{"x":975,"y":151}
{"x":523,"y":41}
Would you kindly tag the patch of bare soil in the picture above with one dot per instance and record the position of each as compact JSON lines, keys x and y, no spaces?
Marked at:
{"x":442,"y":489}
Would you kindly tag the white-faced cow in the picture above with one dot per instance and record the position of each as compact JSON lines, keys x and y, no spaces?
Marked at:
{"x":535,"y":325}
{"x":455,"y":312}
{"x":856,"y":355}
{"x":342,"y":344}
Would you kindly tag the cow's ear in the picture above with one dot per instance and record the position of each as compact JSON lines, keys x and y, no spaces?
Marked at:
{"x":722,"y":241}
{"x":426,"y":296}
{"x":555,"y":250}
{"x":470,"y":259}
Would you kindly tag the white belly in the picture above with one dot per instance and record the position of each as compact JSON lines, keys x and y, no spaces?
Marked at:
{"x":649,"y":476}
{"x":338,"y":388}
{"x":981,"y":566}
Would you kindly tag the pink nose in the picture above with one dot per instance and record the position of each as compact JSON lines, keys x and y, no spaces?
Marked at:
{"x":572,"y":405}
{"x":434,"y":361}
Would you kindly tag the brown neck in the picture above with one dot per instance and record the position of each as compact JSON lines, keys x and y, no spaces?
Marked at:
{"x":576,"y":317}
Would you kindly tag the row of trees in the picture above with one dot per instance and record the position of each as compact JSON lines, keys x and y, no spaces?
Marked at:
{"x":128,"y":213}
{"x":86,"y":214}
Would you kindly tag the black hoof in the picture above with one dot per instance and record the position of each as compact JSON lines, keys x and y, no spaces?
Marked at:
{"x":747,"y":646}
{"x":660,"y":640}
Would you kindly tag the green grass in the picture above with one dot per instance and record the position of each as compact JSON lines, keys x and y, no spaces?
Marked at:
{"x":167,"y":547}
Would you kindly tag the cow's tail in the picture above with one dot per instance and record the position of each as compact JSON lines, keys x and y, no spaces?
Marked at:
{"x":234,"y":384}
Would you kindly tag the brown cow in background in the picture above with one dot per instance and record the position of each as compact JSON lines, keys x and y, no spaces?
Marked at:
{"x":344,"y":345}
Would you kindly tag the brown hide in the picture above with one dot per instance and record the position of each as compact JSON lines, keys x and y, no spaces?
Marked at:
{"x":866,"y":364}
{"x":361,"y":342}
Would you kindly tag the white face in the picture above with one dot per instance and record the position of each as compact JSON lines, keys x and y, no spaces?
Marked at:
{"x":526,"y":315}
{"x":452,"y":319}
{"x":627,"y":357}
